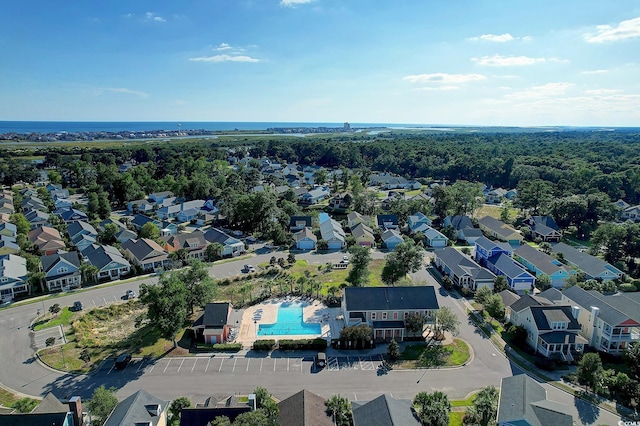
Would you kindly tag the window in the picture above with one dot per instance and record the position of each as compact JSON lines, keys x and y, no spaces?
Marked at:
{"x":63,"y":269}
{"x":384,"y":315}
{"x":395,"y":315}
{"x":373,"y":315}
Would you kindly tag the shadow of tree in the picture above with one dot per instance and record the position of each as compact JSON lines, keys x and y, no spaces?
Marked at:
{"x":587,"y":411}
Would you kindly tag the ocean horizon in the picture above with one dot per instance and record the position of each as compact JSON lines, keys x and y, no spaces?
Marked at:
{"x":138,"y":126}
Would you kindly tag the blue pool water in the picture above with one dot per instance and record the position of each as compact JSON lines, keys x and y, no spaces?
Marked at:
{"x":289,"y":322}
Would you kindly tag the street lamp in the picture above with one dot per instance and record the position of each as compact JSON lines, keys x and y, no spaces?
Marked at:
{"x":64,"y":364}
{"x":255,"y":327}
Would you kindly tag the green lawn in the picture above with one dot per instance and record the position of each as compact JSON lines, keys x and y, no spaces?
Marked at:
{"x":455,"y":418}
{"x":421,"y":355}
{"x":63,"y":318}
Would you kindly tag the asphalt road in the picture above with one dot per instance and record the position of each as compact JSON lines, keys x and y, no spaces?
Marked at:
{"x":355,"y":375}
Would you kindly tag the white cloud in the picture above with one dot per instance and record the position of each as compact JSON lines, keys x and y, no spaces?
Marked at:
{"x":494,"y":37}
{"x":126,"y":91}
{"x":439,"y":88}
{"x":590,"y":72}
{"x":152,"y":17}
{"x":294,"y":3}
{"x":225,"y":58}
{"x":444,"y":78}
{"x":539,"y":92}
{"x":599,"y":92}
{"x":508,"y":61}
{"x":223,"y":46}
{"x":625,"y":29}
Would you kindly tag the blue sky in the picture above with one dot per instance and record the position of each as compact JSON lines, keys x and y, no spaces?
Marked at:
{"x":560,"y":62}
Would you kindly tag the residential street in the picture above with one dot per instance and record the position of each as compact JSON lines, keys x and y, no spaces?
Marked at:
{"x":353,"y":375}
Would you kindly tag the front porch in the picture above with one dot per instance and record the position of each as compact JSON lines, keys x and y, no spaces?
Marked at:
{"x":384,"y":331}
{"x":562,"y":344}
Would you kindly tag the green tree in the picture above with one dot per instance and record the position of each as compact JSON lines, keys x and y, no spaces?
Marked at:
{"x":252,"y":418}
{"x":213,"y":252}
{"x":393,"y":350}
{"x":20,"y":221}
{"x":359,"y":274}
{"x":432,"y":408}
{"x":340,"y":410}
{"x":25,"y":405}
{"x":54,"y":309}
{"x":175,"y":409}
{"x":220,"y":421}
{"x":166,"y":305}
{"x":406,"y":257}
{"x":500,"y":283}
{"x":535,"y":195}
{"x":108,"y":234}
{"x":101,"y":404}
{"x":291,"y":259}
{"x":201,"y":288}
{"x":88,"y":272}
{"x":447,"y":321}
{"x":632,"y":358}
{"x":414,"y":323}
{"x":484,"y":410}
{"x":149,"y":230}
{"x":543,"y":281}
{"x":495,"y":306}
{"x":483,"y":294}
{"x":590,"y":370}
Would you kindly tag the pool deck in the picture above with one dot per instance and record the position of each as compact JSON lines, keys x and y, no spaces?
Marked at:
{"x":314,"y":312}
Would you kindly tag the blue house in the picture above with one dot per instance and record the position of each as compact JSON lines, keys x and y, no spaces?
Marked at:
{"x":541,"y":263}
{"x":416,"y":220}
{"x":486,"y":249}
{"x":518,"y":278}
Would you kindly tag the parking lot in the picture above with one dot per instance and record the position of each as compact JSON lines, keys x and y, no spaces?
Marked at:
{"x":230,"y":364}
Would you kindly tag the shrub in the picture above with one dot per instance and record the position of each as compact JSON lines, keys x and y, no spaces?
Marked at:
{"x":264,"y":345}
{"x":636,"y":283}
{"x":627,"y":287}
{"x":227,"y":347}
{"x":301,"y":344}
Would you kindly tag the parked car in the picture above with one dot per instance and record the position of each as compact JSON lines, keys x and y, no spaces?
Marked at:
{"x":122,"y":361}
{"x":130,"y":294}
{"x":321,"y":360}
{"x":5,"y":302}
{"x":77,"y":306}
{"x":345,"y":259}
{"x":249,"y":268}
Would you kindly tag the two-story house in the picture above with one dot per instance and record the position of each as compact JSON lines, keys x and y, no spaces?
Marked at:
{"x":363,"y":235}
{"x":544,"y":228}
{"x":231,"y":246}
{"x":463,"y":271}
{"x":500,"y":230}
{"x":552,"y":330}
{"x":108,"y":260}
{"x":194,"y":243}
{"x":610,"y":323}
{"x":540,"y":263}
{"x":62,"y":271}
{"x":385,"y":308}
{"x":146,"y":254}
{"x":13,"y":276}
{"x":593,"y":267}
{"x":333,"y":234}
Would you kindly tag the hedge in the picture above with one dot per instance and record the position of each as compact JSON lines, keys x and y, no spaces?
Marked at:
{"x":219,"y":347}
{"x":317,"y":344}
{"x":628,"y":287}
{"x":264,"y":345}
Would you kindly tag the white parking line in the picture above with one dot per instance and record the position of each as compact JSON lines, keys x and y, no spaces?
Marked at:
{"x":110,"y":370}
{"x":287,"y":364}
{"x":141,"y":365}
{"x":165,"y":369}
{"x":205,"y":370}
{"x":180,"y":365}
{"x":248,"y":362}
{"x":152,"y":367}
{"x":261,"y":360}
{"x":221,"y":362}
{"x":194,"y":365}
{"x":234,"y":365}
{"x":360,"y":362}
{"x":274,"y":364}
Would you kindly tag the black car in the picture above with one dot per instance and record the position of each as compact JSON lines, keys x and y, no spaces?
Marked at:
{"x":77,"y":306}
{"x":122,"y":361}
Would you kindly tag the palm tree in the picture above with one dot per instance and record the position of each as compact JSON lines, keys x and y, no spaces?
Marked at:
{"x":340,"y":409}
{"x":88,"y":272}
{"x":433,"y":408}
{"x":485,"y":406}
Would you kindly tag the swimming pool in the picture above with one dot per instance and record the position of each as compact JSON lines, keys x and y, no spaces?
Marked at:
{"x":289,"y":322}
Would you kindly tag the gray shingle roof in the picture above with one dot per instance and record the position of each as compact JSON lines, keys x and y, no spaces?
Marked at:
{"x":138,"y":408}
{"x":522,"y":398}
{"x":390,"y":298}
{"x":543,"y":315}
{"x":384,"y":411}
{"x":216,"y":314}
{"x":50,"y":260}
{"x":508,"y":266}
{"x":527,"y":300}
{"x":303,"y":409}
{"x":614,"y":309}
{"x":591,"y":265}
{"x":462,"y":265}
{"x":539,"y":259}
{"x":508,"y":297}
